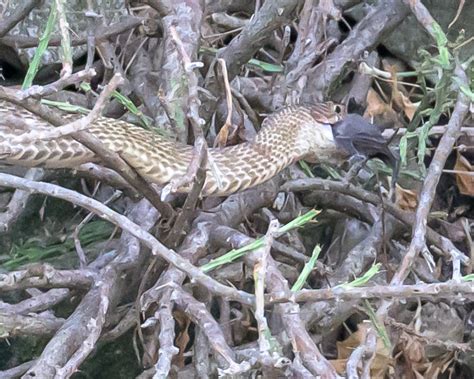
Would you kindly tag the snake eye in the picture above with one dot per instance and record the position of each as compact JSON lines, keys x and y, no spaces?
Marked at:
{"x":337,"y":109}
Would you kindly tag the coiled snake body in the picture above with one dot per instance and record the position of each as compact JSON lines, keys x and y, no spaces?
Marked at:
{"x":286,"y":136}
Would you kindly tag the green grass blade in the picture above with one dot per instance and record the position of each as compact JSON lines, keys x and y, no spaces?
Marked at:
{"x":126,"y":102}
{"x":237,"y":253}
{"x":380,"y":328}
{"x":364,"y":278}
{"x":307,"y":269}
{"x":468,"y":278}
{"x":67,"y":107}
{"x":268,"y":67}
{"x":42,"y":46}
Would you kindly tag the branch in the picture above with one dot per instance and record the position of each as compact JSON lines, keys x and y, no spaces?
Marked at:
{"x":365,"y":36}
{"x":32,"y":325}
{"x":75,"y":126}
{"x":103,"y":33}
{"x":194,"y":273}
{"x":428,"y":191}
{"x":58,"y":85}
{"x":446,"y":246}
{"x":21,"y":11}
{"x":45,"y":276}
{"x":255,"y":34}
{"x":447,"y":290}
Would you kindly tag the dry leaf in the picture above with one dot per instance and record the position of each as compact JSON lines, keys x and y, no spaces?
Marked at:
{"x":465,"y":182}
{"x":182,"y":339}
{"x":399,"y":98}
{"x":222,"y":136}
{"x":439,"y":365}
{"x":339,"y":365}
{"x":377,"y":107}
{"x":382,"y":359}
{"x":413,"y":348}
{"x":406,"y":199}
{"x":406,"y":105}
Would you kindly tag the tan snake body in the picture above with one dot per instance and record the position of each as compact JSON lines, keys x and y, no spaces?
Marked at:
{"x":294,"y":133}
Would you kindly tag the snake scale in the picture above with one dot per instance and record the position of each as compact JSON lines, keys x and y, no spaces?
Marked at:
{"x":286,"y":136}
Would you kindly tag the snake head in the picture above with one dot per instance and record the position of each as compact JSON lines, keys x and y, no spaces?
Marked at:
{"x":328,"y":112}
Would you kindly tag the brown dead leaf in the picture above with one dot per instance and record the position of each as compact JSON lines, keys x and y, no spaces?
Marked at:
{"x":439,"y":365}
{"x":413,"y":348}
{"x":382,"y":359}
{"x":222,"y":136}
{"x":377,"y":107}
{"x":406,"y":105}
{"x":399,"y":98}
{"x":406,"y":199}
{"x":339,"y":365}
{"x":182,"y":339}
{"x":465,"y":182}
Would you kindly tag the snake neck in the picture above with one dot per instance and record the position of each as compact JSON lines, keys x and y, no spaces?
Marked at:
{"x":285,"y":137}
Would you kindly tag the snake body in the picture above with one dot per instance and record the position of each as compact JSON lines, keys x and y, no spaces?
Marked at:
{"x":294,"y":133}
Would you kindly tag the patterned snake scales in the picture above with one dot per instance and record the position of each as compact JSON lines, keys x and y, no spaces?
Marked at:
{"x":286,"y":136}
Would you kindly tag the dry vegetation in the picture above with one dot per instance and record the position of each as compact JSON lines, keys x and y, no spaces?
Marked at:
{"x":110,"y":281}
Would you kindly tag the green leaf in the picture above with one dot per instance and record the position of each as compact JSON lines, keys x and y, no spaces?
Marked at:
{"x":126,"y":102}
{"x":67,"y":107}
{"x":258,"y":243}
{"x":468,"y":278}
{"x":467,"y":91}
{"x":422,"y":138}
{"x":380,"y":328}
{"x":440,"y":37}
{"x":34,"y":251}
{"x":403,"y":149}
{"x":364,"y":278}
{"x":307,"y":269}
{"x":268,"y":67}
{"x":42,"y":46}
{"x":299,"y":221}
{"x":307,"y":170}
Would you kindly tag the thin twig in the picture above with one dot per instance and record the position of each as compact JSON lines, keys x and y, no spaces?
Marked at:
{"x":193,"y":113}
{"x":448,"y":290}
{"x":66,"y":53}
{"x":78,"y":125}
{"x":221,"y":139}
{"x":103,"y":33}
{"x":60,"y":84}
{"x":260,"y":273}
{"x":78,"y":228}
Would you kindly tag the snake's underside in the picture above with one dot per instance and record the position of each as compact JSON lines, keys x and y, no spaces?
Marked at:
{"x":286,"y":136}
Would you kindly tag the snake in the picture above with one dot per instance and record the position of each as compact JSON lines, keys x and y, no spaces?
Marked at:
{"x":285,"y":137}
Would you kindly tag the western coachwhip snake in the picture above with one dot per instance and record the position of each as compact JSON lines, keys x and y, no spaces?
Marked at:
{"x":294,"y":133}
